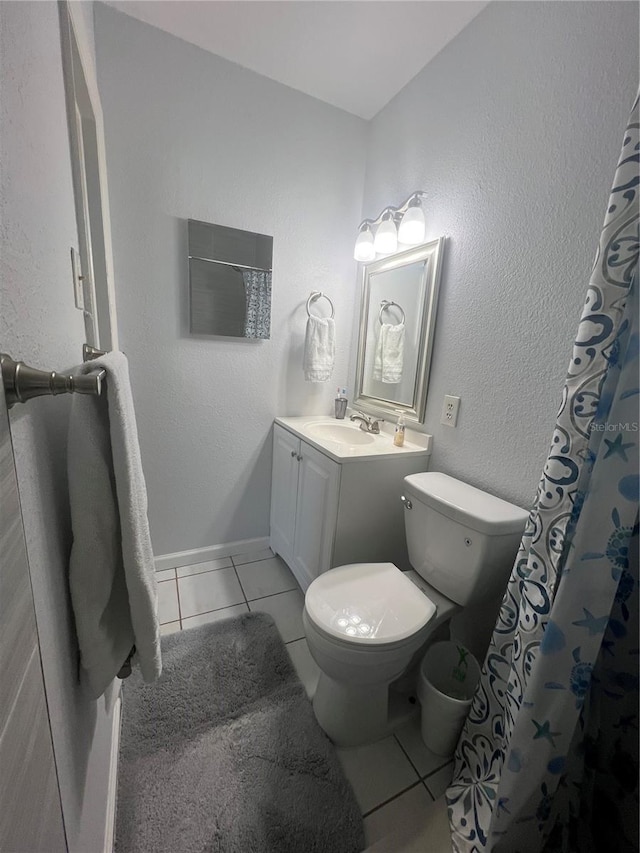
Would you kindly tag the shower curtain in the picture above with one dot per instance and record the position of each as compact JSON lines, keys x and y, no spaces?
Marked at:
{"x":552,"y":735}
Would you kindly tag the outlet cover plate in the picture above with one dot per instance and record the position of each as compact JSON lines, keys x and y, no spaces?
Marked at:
{"x":450,"y":411}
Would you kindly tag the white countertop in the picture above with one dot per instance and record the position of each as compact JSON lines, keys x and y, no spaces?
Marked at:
{"x":376,"y":447}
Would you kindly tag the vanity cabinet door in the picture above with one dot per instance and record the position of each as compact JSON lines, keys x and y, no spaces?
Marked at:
{"x":284,"y":492}
{"x":317,"y":506}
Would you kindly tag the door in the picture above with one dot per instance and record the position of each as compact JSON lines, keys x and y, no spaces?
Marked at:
{"x":30,"y":809}
{"x":93,"y":279}
{"x":284,"y":492}
{"x":317,"y":507}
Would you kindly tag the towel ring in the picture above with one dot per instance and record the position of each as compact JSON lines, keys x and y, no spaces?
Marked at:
{"x":387,"y":303}
{"x":317,"y":294}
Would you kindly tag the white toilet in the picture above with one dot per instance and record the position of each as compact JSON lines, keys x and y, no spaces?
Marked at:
{"x":365,"y":622}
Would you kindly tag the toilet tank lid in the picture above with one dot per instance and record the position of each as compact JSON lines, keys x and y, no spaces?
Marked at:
{"x":466,"y":504}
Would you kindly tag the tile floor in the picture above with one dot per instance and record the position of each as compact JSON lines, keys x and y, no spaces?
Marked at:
{"x":396,"y":779}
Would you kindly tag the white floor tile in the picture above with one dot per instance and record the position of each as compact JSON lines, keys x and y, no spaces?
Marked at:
{"x":422,"y":758}
{"x":209,"y":591}
{"x":307,"y":669}
{"x":214,"y":616}
{"x":265,"y":577}
{"x":168,"y":602}
{"x":439,"y":781}
{"x":169,"y":628}
{"x":252,"y":556}
{"x":286,"y":609}
{"x":377,"y":771}
{"x":399,"y":816}
{"x":431,"y":834}
{"x":166,"y":575}
{"x":199,"y":568}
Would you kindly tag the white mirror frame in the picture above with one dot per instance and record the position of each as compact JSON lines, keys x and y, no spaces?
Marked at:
{"x":431,"y":253}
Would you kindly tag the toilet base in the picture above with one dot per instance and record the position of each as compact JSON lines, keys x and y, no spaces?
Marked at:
{"x":351,"y":714}
{"x":396,"y":707}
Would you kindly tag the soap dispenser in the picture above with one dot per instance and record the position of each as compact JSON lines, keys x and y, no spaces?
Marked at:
{"x":341,"y":403}
{"x":398,"y":436}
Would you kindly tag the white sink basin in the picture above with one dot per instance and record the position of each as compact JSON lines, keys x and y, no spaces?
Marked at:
{"x":341,"y":433}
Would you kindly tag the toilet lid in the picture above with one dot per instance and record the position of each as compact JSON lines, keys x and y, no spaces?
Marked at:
{"x":368,"y":603}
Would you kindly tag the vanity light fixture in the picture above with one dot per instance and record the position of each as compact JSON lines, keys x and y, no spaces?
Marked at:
{"x":364,"y":250}
{"x":386,"y":241}
{"x":404,"y":224}
{"x":412,"y":226}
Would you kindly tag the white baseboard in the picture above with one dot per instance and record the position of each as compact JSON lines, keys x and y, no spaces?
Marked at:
{"x":112,"y":795}
{"x":212,"y":552}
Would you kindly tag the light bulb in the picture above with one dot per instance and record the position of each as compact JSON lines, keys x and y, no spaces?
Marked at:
{"x":412,"y":227}
{"x":364,"y":250}
{"x":386,"y":241}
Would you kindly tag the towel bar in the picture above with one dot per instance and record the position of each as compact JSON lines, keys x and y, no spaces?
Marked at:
{"x":318,"y":294}
{"x":22,"y":383}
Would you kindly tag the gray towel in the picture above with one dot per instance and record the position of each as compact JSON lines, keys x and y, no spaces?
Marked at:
{"x":111,"y":569}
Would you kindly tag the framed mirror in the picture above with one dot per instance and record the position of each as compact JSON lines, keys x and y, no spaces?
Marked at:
{"x":397,"y":320}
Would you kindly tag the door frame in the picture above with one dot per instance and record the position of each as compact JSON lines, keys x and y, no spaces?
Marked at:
{"x":90,"y":186}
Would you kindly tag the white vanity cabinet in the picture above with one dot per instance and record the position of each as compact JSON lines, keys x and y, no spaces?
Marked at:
{"x":328,"y":511}
{"x":304,"y":498}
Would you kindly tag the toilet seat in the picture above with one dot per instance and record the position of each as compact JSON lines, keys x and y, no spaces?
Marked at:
{"x":368,"y":605}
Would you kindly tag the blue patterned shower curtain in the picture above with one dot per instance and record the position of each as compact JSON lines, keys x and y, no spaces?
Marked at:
{"x":552,"y":735}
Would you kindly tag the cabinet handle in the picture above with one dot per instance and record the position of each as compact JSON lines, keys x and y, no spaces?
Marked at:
{"x":299,"y":458}
{"x":293,"y":453}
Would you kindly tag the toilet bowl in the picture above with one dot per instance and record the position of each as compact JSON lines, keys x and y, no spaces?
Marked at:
{"x":366,"y":622}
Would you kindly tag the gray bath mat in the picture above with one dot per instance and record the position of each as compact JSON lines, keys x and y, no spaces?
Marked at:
{"x":223,"y":753}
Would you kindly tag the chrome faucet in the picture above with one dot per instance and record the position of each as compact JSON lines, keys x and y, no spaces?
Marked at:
{"x":367,"y":424}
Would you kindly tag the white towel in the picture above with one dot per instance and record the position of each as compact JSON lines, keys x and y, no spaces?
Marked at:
{"x":389,"y":354}
{"x":319,"y":349}
{"x":111,"y":569}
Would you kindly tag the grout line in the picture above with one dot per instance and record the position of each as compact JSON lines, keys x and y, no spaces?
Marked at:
{"x":179,"y":607}
{"x":438,"y":769}
{"x":272,"y":594}
{"x":203,"y":572}
{"x":246,"y":600}
{"x":215,"y":610}
{"x":407,"y":756}
{"x":428,"y":791}
{"x":391,"y":799}
{"x":251,"y":562}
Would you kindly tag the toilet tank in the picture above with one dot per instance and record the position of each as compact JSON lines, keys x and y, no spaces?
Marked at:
{"x":461,"y":540}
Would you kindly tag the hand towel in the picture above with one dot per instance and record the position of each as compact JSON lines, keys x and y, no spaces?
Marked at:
{"x":319,"y":349}
{"x":111,"y":568}
{"x":388,"y":360}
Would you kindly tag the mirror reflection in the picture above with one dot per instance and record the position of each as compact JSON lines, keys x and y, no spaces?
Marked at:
{"x":399,"y":297}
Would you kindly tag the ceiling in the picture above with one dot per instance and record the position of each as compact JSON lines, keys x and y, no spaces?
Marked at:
{"x":354,"y":54}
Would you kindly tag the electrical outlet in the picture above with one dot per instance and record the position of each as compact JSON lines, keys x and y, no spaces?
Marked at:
{"x":450,"y":411}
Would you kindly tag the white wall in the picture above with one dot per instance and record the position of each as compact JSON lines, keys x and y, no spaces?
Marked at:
{"x":190,"y":135}
{"x":38,"y":323}
{"x":513,"y":130}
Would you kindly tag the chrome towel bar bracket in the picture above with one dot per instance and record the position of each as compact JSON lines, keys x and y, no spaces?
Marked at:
{"x":22,"y":383}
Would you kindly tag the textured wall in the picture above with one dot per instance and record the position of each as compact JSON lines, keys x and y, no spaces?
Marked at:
{"x":190,"y":135}
{"x":514,"y":131}
{"x":38,"y":323}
